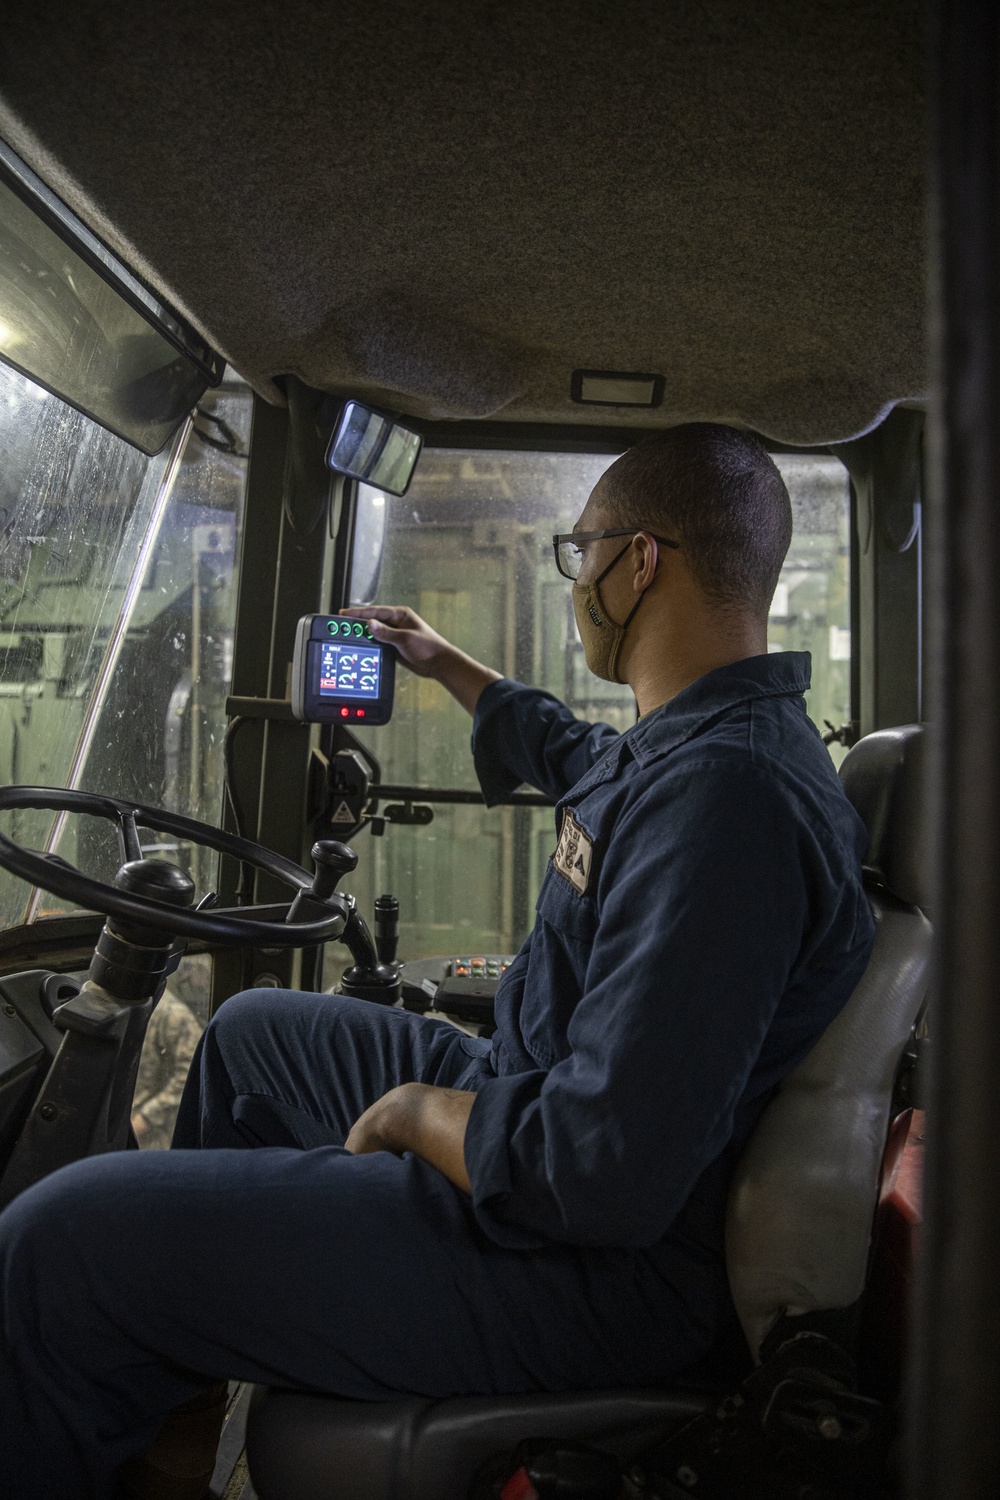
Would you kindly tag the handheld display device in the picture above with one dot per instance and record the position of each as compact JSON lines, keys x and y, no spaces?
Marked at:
{"x":340,"y":674}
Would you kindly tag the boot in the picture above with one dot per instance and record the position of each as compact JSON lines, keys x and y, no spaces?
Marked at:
{"x":179,"y":1464}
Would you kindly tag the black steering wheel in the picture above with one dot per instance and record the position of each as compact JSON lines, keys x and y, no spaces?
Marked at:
{"x":225,"y":927}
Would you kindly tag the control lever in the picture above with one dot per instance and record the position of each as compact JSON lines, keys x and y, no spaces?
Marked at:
{"x":331,"y":861}
{"x":386,"y":928}
{"x":373,"y":975}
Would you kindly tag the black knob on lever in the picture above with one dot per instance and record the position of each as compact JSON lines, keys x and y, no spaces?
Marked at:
{"x":331,"y":860}
{"x":386,"y":928}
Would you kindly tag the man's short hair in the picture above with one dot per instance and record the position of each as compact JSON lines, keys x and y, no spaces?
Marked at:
{"x":718,"y":492}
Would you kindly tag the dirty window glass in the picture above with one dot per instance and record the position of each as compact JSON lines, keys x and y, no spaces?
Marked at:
{"x":116,"y":618}
{"x":469,"y":547}
{"x":158,"y":733}
{"x":75,"y":503}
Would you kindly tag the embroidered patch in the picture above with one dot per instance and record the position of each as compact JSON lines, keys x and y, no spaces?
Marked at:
{"x":573,"y":854}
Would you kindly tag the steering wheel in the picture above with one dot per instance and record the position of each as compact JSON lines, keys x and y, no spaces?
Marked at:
{"x":227,"y":927}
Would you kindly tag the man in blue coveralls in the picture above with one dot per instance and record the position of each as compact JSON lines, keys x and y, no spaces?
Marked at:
{"x":363,"y":1201}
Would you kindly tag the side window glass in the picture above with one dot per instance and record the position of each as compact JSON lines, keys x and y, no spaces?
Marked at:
{"x":811,"y":608}
{"x":158,"y":731}
{"x":117,"y":608}
{"x":469,"y":548}
{"x":75,"y":504}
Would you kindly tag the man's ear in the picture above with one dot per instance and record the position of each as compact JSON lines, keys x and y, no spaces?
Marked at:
{"x":648,"y":550}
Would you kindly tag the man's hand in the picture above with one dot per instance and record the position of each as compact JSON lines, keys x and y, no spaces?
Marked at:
{"x":425,"y":652}
{"x":419,"y":646}
{"x":422,"y":1118}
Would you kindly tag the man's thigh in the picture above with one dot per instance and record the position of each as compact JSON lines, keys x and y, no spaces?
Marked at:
{"x":125,"y":1278}
{"x":287,"y":1068}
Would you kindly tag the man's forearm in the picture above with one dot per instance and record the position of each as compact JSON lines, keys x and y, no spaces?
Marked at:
{"x":422,"y":1118}
{"x":463,"y":676}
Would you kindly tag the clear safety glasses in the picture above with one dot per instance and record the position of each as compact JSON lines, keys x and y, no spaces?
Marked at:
{"x":568,"y":546}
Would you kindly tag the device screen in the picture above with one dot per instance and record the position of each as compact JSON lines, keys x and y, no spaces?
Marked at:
{"x":350,"y":670}
{"x":339,"y":672}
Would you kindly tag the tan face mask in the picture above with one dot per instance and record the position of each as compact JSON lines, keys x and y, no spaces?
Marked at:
{"x":602,"y":638}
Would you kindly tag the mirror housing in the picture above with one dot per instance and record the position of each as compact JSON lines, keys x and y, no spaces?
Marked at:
{"x":374,"y":447}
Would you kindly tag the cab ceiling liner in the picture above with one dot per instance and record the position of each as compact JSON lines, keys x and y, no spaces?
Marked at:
{"x":447,"y":208}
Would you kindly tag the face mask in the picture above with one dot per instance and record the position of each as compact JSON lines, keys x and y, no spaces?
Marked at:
{"x":602,"y":638}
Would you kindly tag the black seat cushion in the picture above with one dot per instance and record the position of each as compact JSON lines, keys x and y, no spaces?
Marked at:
{"x":303,"y":1447}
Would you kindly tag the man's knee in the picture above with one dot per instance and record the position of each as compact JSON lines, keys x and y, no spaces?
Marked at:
{"x":253,"y":1019}
{"x":250,"y":1020}
{"x":250,"y":1009}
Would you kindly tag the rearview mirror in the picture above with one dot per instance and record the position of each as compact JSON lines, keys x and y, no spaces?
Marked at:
{"x":374,"y":447}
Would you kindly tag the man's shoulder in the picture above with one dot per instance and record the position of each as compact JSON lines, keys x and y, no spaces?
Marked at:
{"x":769,"y":755}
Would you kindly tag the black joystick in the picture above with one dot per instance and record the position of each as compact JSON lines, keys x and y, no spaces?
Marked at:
{"x":386,"y":928}
{"x":374,"y":975}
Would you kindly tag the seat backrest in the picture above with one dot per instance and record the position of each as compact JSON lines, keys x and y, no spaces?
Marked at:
{"x":803,"y":1195}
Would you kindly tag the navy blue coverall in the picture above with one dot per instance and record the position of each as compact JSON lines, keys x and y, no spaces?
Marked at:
{"x":701,"y":922}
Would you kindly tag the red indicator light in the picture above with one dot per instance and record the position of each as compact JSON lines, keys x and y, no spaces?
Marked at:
{"x":361,"y":713}
{"x":343,"y":713}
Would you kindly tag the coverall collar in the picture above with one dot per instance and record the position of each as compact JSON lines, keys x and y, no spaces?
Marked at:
{"x":778,"y":675}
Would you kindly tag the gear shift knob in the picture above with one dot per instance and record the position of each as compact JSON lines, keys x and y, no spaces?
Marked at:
{"x":331,"y":860}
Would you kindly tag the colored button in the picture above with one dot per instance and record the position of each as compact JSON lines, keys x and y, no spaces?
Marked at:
{"x":359,"y":629}
{"x":345,"y":627}
{"x":333,"y":626}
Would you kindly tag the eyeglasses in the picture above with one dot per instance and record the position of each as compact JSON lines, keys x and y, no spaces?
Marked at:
{"x":568,"y":546}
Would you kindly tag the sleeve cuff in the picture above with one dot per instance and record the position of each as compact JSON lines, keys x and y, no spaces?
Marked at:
{"x":499,"y":1103}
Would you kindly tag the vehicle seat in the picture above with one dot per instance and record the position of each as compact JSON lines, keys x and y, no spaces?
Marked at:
{"x":799,"y":1223}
